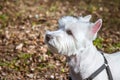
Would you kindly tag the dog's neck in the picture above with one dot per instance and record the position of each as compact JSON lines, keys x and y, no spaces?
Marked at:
{"x":86,"y":62}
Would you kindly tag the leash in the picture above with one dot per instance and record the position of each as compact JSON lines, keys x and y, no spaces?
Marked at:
{"x":104,"y":66}
{"x":107,"y":68}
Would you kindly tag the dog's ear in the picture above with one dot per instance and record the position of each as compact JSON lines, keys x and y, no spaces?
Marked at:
{"x":85,"y":18}
{"x":66,"y":20}
{"x":95,"y":28}
{"x":88,"y":17}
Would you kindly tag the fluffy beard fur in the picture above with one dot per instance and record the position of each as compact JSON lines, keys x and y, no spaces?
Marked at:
{"x":62,"y":44}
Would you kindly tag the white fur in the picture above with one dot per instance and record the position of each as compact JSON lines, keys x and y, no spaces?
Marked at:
{"x":83,"y":57}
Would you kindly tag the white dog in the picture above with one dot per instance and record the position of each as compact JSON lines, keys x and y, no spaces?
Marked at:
{"x":74,"y":39}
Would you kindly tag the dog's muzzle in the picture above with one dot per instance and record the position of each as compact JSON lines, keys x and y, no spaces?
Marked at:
{"x":48,"y":37}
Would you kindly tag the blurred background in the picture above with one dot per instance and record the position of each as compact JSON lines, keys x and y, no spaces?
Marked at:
{"x":23,"y":53}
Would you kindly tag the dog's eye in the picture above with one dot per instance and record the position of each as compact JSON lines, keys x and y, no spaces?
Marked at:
{"x":69,"y":32}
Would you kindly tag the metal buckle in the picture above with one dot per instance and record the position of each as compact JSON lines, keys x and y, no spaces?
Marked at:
{"x":106,"y":64}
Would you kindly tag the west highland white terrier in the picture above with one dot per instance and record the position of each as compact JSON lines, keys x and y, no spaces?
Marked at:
{"x":74,"y":39}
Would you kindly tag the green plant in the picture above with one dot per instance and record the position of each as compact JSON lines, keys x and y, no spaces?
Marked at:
{"x":98,"y":42}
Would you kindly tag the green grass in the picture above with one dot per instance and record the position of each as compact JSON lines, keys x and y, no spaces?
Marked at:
{"x":24,"y":55}
{"x":109,"y":47}
{"x":53,"y":7}
{"x":63,"y":70}
{"x":117,"y":45}
{"x":3,"y":19}
{"x":98,"y":42}
{"x":9,"y":64}
{"x":14,"y":65}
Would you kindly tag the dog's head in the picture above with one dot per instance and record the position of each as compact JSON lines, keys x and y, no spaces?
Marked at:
{"x":73,"y":35}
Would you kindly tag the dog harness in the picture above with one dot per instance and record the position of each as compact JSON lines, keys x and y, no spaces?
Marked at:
{"x":104,"y":66}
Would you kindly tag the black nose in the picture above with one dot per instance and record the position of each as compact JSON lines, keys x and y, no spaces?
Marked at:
{"x":48,"y":37}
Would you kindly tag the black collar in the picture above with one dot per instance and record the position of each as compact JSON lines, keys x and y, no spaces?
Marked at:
{"x":104,"y":66}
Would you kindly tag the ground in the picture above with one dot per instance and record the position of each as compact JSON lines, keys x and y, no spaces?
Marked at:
{"x":23,"y":53}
